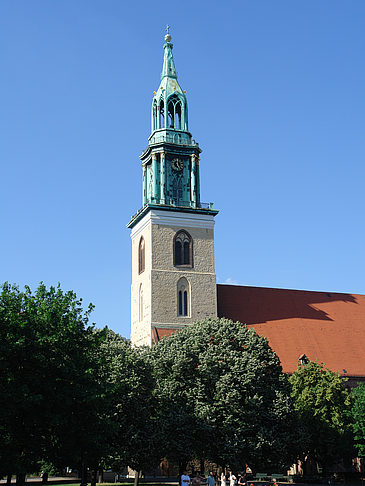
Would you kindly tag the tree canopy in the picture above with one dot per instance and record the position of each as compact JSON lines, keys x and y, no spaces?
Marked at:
{"x":358,"y":418}
{"x":47,"y":386}
{"x":323,"y":404}
{"x":223,"y":397}
{"x":129,"y":411}
{"x":69,"y":394}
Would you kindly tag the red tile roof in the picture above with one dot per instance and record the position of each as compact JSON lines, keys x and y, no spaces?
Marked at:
{"x":329,"y":326}
{"x":159,"y":332}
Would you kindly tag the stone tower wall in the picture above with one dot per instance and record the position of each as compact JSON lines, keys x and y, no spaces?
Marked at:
{"x":160,"y":277}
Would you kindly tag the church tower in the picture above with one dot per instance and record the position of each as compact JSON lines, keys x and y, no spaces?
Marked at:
{"x":173,"y":275}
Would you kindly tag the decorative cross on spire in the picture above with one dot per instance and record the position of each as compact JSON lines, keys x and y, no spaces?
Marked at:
{"x":167,"y":28}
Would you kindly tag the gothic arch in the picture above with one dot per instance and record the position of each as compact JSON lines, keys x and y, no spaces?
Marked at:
{"x":161,"y":113}
{"x":141,"y":255}
{"x":154,"y":115}
{"x":183,"y":249}
{"x":183,"y":298}
{"x":174,"y":111}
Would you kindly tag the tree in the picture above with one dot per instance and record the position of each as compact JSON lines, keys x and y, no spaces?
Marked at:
{"x":358,"y":418}
{"x":48,"y":393}
{"x":223,"y":397}
{"x":129,"y":408}
{"x":323,"y":405}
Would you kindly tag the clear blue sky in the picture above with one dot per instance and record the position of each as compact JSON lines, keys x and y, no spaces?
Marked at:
{"x":276,"y":102}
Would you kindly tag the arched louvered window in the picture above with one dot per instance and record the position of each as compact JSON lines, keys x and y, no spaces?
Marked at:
{"x":162,"y":115}
{"x":174,"y":112}
{"x":178,"y":116}
{"x":141,"y":255}
{"x":183,"y":298}
{"x":183,"y":249}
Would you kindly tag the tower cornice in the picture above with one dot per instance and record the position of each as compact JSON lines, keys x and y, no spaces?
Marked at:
{"x":205,"y":209}
{"x":169,"y":148}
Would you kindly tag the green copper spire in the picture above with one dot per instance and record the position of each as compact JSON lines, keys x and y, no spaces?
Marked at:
{"x":171,"y":174}
{"x":168,"y":60}
{"x":169,"y":104}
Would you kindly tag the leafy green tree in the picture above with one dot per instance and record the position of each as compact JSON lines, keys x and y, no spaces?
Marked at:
{"x":223,"y":397}
{"x":358,"y":418}
{"x":129,"y":412}
{"x":48,"y":393}
{"x":323,"y":404}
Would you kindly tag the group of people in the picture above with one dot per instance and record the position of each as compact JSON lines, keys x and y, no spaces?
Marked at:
{"x":212,"y":481}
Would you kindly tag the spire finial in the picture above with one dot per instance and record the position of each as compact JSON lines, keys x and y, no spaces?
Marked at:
{"x":167,"y":36}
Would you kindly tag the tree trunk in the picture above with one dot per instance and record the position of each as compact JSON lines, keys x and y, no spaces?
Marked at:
{"x":44,"y":478}
{"x":8,"y":478}
{"x":93,"y":477}
{"x":100,"y":476}
{"x":83,"y":475}
{"x":20,"y":479}
{"x":136,"y":477}
{"x":202,"y":467}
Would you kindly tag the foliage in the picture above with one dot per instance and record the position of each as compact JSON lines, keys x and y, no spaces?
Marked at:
{"x":223,"y":397}
{"x":129,"y":406}
{"x":69,"y":394}
{"x":358,"y":418}
{"x":48,"y":394}
{"x":323,"y":404}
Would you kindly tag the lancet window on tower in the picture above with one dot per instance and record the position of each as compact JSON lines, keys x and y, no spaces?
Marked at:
{"x":162,"y":114}
{"x":140,"y":304}
{"x":183,"y":298}
{"x":174,"y":112}
{"x":154,"y":115}
{"x":183,"y":249}
{"x":141,"y":255}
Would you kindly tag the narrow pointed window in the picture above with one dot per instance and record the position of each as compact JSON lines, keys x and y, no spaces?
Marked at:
{"x":171,"y":115}
{"x":183,"y":298}
{"x":141,"y":255}
{"x":154,"y":115}
{"x":186,"y":253}
{"x":162,"y":115}
{"x":178,"y":116}
{"x":183,"y":249}
{"x":180,"y":311}
{"x":178,"y":253}
{"x":140,"y":304}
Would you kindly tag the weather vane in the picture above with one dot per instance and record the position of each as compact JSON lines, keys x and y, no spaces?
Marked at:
{"x":167,"y":28}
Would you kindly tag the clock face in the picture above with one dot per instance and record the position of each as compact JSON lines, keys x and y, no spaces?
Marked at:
{"x":177,"y":164}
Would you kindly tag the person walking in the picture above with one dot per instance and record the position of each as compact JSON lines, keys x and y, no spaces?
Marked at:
{"x":223,"y":479}
{"x":185,"y":479}
{"x":232,"y":479}
{"x":242,"y":480}
{"x":196,"y":480}
{"x":211,"y":479}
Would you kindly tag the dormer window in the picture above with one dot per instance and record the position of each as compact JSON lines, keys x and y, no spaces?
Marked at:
{"x":303,"y":359}
{"x":183,"y":249}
